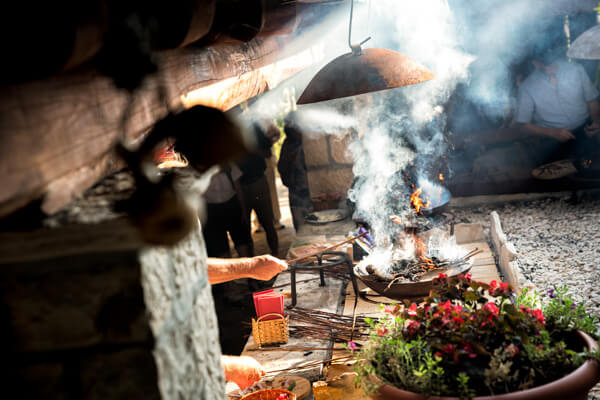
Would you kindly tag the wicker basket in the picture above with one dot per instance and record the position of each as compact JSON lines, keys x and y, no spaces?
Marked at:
{"x":269,"y":394}
{"x":273,"y":331}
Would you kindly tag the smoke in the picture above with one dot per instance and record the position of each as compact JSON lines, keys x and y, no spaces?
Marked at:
{"x":474,"y":49}
{"x":405,"y":127}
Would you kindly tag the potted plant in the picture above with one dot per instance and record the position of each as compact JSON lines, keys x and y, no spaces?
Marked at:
{"x":470,"y":339}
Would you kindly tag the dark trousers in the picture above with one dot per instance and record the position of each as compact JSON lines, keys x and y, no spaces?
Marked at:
{"x":222,"y":218}
{"x":257,"y":197}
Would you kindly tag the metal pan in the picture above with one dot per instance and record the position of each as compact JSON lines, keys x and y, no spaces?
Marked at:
{"x":400,"y":291}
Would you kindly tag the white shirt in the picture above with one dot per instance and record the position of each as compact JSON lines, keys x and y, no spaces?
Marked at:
{"x":562,"y":105}
{"x":221,"y":189}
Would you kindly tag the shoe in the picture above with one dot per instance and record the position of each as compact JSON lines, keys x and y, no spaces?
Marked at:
{"x":554,"y":170}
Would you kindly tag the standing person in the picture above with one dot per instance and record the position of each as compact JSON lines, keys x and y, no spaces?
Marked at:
{"x":224,"y":209}
{"x":255,"y":189}
{"x":292,"y":169}
{"x":558,"y":104}
{"x":274,"y":135}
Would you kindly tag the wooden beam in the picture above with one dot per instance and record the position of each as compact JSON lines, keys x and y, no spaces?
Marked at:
{"x":110,"y":236}
{"x":54,"y":127}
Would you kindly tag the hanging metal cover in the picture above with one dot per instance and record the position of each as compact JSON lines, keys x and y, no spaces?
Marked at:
{"x":369,"y":70}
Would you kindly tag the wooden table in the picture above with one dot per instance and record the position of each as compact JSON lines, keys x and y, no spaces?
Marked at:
{"x":339,"y":297}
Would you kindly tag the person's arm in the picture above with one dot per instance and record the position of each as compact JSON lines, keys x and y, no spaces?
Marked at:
{"x":260,"y":267}
{"x":242,"y":370}
{"x":562,"y":135}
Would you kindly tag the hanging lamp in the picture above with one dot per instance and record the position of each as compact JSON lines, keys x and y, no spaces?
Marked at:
{"x":587,"y":45}
{"x":363,"y":71}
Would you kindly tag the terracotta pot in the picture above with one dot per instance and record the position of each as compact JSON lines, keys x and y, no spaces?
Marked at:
{"x":574,"y":386}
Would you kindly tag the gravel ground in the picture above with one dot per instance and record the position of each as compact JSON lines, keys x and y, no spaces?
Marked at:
{"x":558,"y":242}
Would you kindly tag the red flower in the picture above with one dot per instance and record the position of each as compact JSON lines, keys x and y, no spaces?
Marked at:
{"x":448,"y":349}
{"x":446,"y":306}
{"x":438,"y":354}
{"x":382,"y":331}
{"x":457,"y":320}
{"x":413,"y":327}
{"x":468,"y":276}
{"x":412,"y":310}
{"x":503,"y":286}
{"x":442,"y":276}
{"x":539,"y":316}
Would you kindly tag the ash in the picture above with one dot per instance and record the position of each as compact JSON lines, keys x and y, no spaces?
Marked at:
{"x":557,"y":242}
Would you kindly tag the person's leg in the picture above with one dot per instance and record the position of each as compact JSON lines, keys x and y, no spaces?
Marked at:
{"x":239,"y":229}
{"x":264,"y":211}
{"x":214,"y":232}
{"x":270,"y":174}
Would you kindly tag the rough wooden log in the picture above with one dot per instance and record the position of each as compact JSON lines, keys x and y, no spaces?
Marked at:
{"x":110,"y":236}
{"x":53,"y":127}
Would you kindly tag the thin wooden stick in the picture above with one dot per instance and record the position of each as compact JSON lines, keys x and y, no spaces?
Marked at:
{"x":311,"y":364}
{"x":297,"y":349}
{"x":328,"y":248}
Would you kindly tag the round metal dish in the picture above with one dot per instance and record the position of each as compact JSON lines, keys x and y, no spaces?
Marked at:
{"x":326,"y":216}
{"x":403,"y":290}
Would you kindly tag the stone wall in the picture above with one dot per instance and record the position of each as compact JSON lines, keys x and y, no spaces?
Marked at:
{"x":135,"y":324}
{"x":329,"y":163}
{"x":76,"y":328}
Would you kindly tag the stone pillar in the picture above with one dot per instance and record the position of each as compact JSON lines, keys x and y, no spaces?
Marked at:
{"x":329,"y":164}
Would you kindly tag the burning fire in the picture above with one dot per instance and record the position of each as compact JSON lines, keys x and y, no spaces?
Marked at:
{"x":441,"y":176}
{"x":421,"y":251}
{"x":417,"y":202}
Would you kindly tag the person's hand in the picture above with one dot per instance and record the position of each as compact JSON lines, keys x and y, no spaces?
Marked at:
{"x":562,"y":135}
{"x":265,"y":267}
{"x":592,"y":129}
{"x":273,"y":133}
{"x":243,"y":370}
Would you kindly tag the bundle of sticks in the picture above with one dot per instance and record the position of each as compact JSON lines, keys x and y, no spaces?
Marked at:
{"x":324,"y":325}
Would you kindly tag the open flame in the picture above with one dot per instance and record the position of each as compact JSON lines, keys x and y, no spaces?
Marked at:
{"x":421,"y":252}
{"x":417,"y":202}
{"x":441,"y":176}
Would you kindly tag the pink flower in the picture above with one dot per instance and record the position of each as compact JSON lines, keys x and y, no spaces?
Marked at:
{"x":491,"y":307}
{"x":351,"y":345}
{"x":446,"y":306}
{"x":512,"y":350}
{"x":468,"y":276}
{"x":467,"y":347}
{"x":442,"y":276}
{"x":457,"y":308}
